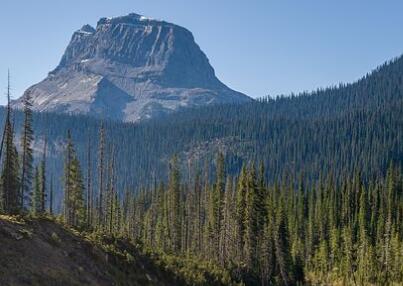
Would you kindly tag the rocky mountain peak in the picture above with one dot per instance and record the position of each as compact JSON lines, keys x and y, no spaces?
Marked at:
{"x":131,"y":18}
{"x":87,"y":29}
{"x":131,"y":68}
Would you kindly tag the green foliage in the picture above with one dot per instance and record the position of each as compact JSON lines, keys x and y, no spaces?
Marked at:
{"x":55,"y":238}
{"x":36,"y":194}
{"x":339,"y":222}
{"x":10,"y":181}
{"x":74,"y":212}
{"x":27,"y":137}
{"x":340,"y":129}
{"x":194,"y":271}
{"x":298,"y":240}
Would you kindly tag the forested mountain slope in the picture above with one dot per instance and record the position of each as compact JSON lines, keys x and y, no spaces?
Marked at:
{"x":379,"y":88}
{"x":339,"y":129}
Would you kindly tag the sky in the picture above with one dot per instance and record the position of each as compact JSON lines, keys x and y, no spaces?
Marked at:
{"x":258,"y":47}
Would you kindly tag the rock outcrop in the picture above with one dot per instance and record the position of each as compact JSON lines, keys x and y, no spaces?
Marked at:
{"x":130,"y":68}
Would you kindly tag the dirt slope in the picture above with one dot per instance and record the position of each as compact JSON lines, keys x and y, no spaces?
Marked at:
{"x":42,"y":252}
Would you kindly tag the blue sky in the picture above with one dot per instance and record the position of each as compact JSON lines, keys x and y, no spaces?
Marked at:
{"x":258,"y":47}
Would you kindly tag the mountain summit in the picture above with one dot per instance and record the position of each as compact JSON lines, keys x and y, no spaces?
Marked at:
{"x":130,"y":68}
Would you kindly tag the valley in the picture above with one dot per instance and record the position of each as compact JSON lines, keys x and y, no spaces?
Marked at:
{"x":131,"y":163}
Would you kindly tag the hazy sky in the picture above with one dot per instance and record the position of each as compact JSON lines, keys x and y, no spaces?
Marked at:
{"x":258,"y":47}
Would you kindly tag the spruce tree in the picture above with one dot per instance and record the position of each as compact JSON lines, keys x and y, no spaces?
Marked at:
{"x":250,"y":219}
{"x":51,"y":196}
{"x":38,"y":197}
{"x":174,"y":204}
{"x":282,"y":248}
{"x":42,"y":172}
{"x":89,"y":200}
{"x":111,"y":192}
{"x":240,"y":213}
{"x":26,"y":149}
{"x":226,"y":233}
{"x":215,"y":213}
{"x":77,"y":195}
{"x":36,"y":194}
{"x":10,"y":183}
{"x":101,"y":171}
{"x":74,"y":209}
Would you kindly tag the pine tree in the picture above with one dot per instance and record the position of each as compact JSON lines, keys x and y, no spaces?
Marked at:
{"x":27,"y":152}
{"x":69,"y":156}
{"x":251,"y":219}
{"x":348,"y":261}
{"x":174,"y":205}
{"x":388,"y":229}
{"x":51,"y":196}
{"x":42,"y":172}
{"x":101,"y":158}
{"x":198,"y":218}
{"x":261,"y":194}
{"x":38,"y":197}
{"x":10,"y":183}
{"x":36,"y":194}
{"x":282,"y":248}
{"x":227,"y":225}
{"x":89,"y":199}
{"x":215,"y":211}
{"x":111,"y":191}
{"x":77,"y":196}
{"x":267,"y":257}
{"x":240,"y":212}
{"x":364,"y":250}
{"x":162,"y":235}
{"x":74,"y":210}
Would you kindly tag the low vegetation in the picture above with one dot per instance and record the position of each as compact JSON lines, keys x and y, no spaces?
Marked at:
{"x":44,"y":251}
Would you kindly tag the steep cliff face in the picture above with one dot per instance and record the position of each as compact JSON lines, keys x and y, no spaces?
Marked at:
{"x":131,"y":68}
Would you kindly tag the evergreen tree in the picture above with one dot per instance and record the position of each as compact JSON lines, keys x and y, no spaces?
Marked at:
{"x":89,"y":200}
{"x":227,"y":230}
{"x":111,"y":193}
{"x":26,"y":148}
{"x":250,"y":219}
{"x":282,"y":249}
{"x":215,"y":210}
{"x":36,"y":194}
{"x":42,"y":172}
{"x":101,"y":167}
{"x":74,"y":211}
{"x":174,"y":209}
{"x":10,"y":183}
{"x":51,"y":196}
{"x":240,"y":213}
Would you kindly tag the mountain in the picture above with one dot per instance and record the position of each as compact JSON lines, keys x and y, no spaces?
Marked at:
{"x":130,"y":68}
{"x":344,"y":128}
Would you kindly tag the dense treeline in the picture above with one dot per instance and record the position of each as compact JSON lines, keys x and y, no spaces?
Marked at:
{"x":284,"y":233}
{"x":320,"y":206}
{"x":355,"y":126}
{"x":290,"y":232}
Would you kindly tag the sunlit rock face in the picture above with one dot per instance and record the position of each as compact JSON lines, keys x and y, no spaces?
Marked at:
{"x":130,"y":68}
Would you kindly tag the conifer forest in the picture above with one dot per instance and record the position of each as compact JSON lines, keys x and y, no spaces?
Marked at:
{"x":335,"y":215}
{"x":300,"y":189}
